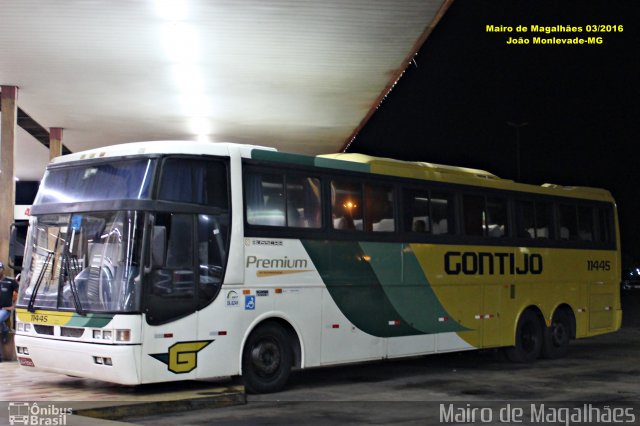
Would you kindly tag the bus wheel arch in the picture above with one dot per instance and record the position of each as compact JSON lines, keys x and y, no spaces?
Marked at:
{"x":529,"y":336}
{"x":271,"y":349}
{"x":559,"y":333}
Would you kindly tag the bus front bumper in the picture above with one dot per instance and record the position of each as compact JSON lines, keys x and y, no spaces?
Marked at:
{"x":110,"y":363}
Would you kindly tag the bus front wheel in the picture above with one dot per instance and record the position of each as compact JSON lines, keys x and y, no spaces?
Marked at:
{"x":266,"y":359}
{"x":529,"y":336}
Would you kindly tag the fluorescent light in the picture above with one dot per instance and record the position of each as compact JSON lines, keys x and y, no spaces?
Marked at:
{"x":171,"y":10}
{"x":180,"y":42}
{"x":183,"y":49}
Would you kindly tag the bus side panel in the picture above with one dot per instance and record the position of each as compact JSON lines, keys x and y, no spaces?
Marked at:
{"x":342,"y":341}
{"x":281,"y":271}
{"x":222,"y":324}
{"x":171,"y":351}
{"x":304,"y":313}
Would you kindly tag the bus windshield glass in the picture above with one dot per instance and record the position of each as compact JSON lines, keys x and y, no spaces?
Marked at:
{"x":87,"y":262}
{"x":123,"y":180}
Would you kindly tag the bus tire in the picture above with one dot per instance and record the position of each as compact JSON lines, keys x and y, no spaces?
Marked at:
{"x":529,"y":337}
{"x":266,"y":359}
{"x":557,"y":336}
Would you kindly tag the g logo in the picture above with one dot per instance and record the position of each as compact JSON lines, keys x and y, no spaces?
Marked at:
{"x":182,"y":356}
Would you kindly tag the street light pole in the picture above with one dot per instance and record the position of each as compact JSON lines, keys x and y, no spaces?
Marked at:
{"x":517,"y":126}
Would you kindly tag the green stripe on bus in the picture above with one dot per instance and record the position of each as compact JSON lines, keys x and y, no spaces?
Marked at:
{"x":282,"y":157}
{"x":307,"y":160}
{"x":407,"y":287}
{"x":90,"y":320}
{"x":355,"y":289}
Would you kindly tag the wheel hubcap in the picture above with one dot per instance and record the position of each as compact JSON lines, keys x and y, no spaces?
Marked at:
{"x":265,"y":357}
{"x":529,"y":338}
{"x":558,"y":334}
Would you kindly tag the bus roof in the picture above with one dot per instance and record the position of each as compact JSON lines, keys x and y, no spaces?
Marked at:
{"x":161,"y":147}
{"x":340,"y":161}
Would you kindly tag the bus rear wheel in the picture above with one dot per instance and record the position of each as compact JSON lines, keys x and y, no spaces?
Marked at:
{"x":557,"y":336}
{"x":529,"y":336}
{"x":266,"y":359}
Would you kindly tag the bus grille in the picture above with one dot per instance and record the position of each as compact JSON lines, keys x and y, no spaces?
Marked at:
{"x":71,"y":332}
{"x":43,"y":329}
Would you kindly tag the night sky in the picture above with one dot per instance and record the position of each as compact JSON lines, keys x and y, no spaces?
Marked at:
{"x":581,"y":102}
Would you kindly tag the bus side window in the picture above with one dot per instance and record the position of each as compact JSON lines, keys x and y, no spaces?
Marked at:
{"x":473,"y":214}
{"x":213,"y":232}
{"x":172,"y":277}
{"x":567,"y":222}
{"x":303,"y":202}
{"x":525,"y":219}
{"x":585,"y":223}
{"x":416,"y":210}
{"x":379,"y":208}
{"x":264,"y":195}
{"x":496,"y":218}
{"x":442,"y":208}
{"x":187,"y":180}
{"x":604,"y":225}
{"x":179,"y":243}
{"x":346,"y":205}
{"x":544,"y":220}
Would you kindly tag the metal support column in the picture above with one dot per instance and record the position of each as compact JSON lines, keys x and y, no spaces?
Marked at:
{"x":55,"y":142}
{"x":8,"y":124}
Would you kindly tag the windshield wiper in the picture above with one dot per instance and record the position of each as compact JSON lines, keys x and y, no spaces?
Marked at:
{"x":36,"y":287}
{"x":71,"y":272}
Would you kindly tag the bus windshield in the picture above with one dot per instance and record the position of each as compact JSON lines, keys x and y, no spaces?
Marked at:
{"x":122,"y":180}
{"x":84,"y":262}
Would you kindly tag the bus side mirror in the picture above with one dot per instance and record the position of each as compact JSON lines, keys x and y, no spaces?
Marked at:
{"x":158,"y":246}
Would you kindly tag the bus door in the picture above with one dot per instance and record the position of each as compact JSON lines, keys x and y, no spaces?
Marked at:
{"x":170,"y":299}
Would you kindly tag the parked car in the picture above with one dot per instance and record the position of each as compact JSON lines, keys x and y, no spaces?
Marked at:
{"x":630,"y":279}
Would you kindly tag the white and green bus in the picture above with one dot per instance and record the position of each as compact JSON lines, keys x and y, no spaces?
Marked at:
{"x":161,"y":261}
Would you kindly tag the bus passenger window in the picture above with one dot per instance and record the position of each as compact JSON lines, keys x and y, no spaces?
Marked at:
{"x":473,"y":214}
{"x":604,"y":225}
{"x":303,"y":202}
{"x":585,"y":223}
{"x":346,"y":205}
{"x":567,"y":222}
{"x":194,"y":181}
{"x":442,"y":209}
{"x":496,"y":218}
{"x":525,"y":219}
{"x":416,"y":211}
{"x":264,"y":195}
{"x":379,"y":208}
{"x":544,"y":219}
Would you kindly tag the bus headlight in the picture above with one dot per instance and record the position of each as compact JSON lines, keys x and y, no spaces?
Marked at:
{"x":123,"y":335}
{"x":106,"y":334}
{"x":23,"y":326}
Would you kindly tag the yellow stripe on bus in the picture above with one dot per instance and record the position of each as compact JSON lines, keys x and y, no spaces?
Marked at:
{"x":44,"y":317}
{"x":265,"y":273}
